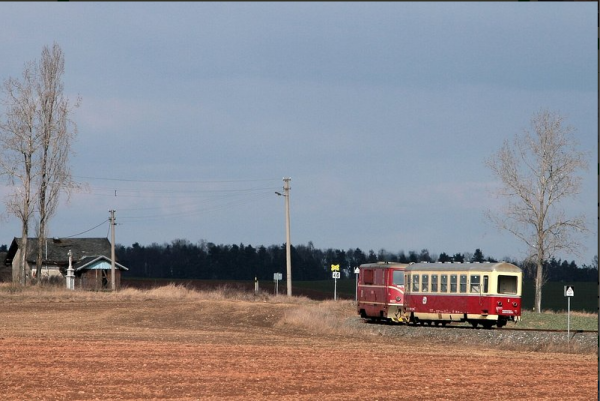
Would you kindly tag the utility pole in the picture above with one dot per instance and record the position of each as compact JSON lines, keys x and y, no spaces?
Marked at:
{"x":288,"y":255}
{"x":112,"y":250}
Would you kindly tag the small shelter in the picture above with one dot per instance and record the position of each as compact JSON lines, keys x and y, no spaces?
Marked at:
{"x":94,"y":273}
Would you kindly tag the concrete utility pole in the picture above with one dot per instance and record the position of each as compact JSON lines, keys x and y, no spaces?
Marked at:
{"x":288,"y":255}
{"x":112,"y":250}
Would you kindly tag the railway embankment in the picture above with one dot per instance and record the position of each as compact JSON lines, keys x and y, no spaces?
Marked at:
{"x":506,"y":338}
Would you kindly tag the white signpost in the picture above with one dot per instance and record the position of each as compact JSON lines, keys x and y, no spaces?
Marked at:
{"x":356,"y":271}
{"x":277,"y":277}
{"x":569,"y":292}
{"x":335,"y":275}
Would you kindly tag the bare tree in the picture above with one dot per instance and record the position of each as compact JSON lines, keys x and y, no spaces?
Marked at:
{"x":56,"y":133}
{"x":36,"y":135}
{"x":19,"y":143}
{"x":537,"y":171}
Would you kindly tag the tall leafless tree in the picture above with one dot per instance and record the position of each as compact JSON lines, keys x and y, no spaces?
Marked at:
{"x":56,"y":133}
{"x":18,"y":144}
{"x":36,"y":133}
{"x":537,"y":171}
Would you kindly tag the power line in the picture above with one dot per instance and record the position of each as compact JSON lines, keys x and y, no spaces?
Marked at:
{"x":173,"y":181}
{"x":86,"y":231}
{"x":198,"y":209}
{"x":161,"y":203}
{"x":128,"y":192}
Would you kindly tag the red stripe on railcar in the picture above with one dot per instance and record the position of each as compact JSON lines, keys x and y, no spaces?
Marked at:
{"x":502,"y":305}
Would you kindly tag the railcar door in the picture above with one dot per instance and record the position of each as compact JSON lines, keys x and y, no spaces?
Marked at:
{"x":396,"y":287}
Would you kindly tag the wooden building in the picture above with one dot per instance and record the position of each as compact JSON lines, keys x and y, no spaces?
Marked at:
{"x":55,"y":259}
{"x":94,"y":273}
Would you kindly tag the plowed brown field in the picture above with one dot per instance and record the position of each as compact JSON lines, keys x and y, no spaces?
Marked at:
{"x":179,"y":349}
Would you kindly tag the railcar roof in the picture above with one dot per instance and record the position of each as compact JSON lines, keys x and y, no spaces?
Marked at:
{"x":486,"y":266}
{"x":381,"y":265}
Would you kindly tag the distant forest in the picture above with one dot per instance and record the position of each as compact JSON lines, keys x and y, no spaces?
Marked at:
{"x":182,"y":259}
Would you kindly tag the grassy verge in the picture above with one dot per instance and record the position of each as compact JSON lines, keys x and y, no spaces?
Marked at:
{"x":558,"y":320}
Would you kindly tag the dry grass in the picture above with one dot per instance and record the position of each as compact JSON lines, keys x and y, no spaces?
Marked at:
{"x":325,"y":317}
{"x":169,"y":292}
{"x":316,"y":317}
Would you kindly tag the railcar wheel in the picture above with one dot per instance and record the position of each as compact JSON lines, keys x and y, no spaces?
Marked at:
{"x":487,"y":325}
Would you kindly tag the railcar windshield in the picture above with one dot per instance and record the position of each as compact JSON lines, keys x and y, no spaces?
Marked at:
{"x":507,"y":284}
{"x":367,"y":275}
{"x":398,"y":277}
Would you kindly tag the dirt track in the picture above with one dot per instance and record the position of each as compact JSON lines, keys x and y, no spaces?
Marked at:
{"x":199,"y":349}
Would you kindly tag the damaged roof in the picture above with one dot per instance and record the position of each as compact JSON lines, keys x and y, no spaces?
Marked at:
{"x":56,"y":250}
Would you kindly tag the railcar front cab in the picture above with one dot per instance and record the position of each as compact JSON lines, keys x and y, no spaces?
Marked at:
{"x":478,"y":293}
{"x":381,"y":291}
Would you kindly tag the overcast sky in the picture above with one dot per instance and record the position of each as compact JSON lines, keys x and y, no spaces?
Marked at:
{"x":382,"y":114}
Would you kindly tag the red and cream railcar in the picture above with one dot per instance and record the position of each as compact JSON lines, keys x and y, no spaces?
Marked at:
{"x":478,"y":293}
{"x":380,"y":292}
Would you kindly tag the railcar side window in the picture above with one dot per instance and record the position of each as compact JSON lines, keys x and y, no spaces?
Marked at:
{"x":368,"y":276}
{"x":415,"y":283}
{"x":486,"y":281}
{"x":475,"y":283}
{"x":425,"y":283}
{"x":463,"y":283}
{"x":398,"y":278}
{"x":407,"y":281}
{"x":453,"y":283}
{"x":434,"y":282}
{"x":507,"y":284}
{"x":444,"y":283}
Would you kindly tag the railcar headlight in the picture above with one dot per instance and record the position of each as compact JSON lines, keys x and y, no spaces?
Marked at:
{"x":515,"y":304}
{"x":397,"y":299}
{"x":499,"y":303}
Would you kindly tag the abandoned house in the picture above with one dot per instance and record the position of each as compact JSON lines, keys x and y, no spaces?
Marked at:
{"x":90,"y":258}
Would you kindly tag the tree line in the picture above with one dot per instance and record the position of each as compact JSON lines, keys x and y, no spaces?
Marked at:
{"x":204,"y":260}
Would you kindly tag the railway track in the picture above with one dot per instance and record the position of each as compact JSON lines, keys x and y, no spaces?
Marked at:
{"x":573,"y":332}
{"x":547,"y":330}
{"x":505,"y":328}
